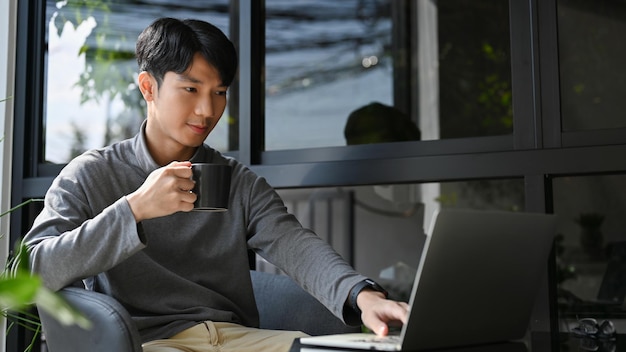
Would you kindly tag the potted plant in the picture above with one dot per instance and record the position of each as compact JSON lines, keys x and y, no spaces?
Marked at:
{"x":20,"y":290}
{"x":591,"y":237}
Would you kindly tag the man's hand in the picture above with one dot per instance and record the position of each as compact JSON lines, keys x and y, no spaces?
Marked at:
{"x":378,"y":312}
{"x":166,"y":190}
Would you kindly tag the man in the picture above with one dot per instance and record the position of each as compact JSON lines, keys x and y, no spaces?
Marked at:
{"x":119,"y":218}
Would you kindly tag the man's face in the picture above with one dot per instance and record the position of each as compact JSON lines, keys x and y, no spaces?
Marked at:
{"x":184,"y":109}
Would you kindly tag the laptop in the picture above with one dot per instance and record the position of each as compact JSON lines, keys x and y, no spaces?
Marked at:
{"x":476,"y":283}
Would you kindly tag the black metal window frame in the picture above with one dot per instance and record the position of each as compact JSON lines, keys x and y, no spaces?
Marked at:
{"x":537,"y":150}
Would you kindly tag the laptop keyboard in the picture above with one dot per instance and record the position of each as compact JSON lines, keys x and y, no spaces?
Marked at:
{"x":389,"y":339}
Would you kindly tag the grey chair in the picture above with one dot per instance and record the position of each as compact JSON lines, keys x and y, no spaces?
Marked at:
{"x":282,"y":305}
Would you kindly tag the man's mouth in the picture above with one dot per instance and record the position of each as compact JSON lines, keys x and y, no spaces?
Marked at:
{"x":199,"y":129}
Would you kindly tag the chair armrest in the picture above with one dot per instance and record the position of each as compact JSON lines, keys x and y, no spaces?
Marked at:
{"x":283,"y":305}
{"x":112,"y":327}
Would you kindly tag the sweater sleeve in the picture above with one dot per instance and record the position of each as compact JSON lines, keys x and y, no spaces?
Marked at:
{"x":79,"y":234}
{"x":278,"y":237}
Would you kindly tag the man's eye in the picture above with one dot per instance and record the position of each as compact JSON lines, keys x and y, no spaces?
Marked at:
{"x":222,"y":92}
{"x":191,"y":89}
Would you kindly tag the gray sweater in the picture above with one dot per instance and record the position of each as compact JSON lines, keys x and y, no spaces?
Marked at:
{"x":175,"y":271}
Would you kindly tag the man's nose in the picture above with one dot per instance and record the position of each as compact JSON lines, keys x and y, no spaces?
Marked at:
{"x":204,"y":107}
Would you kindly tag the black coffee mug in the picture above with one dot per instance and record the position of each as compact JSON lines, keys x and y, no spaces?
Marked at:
{"x":212,"y":186}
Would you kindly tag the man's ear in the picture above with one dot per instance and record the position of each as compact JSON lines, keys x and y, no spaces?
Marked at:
{"x":147,"y":85}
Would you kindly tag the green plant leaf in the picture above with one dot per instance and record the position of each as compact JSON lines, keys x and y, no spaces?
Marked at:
{"x":18,"y":264}
{"x":18,"y":291}
{"x":21,"y":205}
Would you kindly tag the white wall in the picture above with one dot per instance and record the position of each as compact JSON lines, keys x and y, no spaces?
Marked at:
{"x":8,"y":11}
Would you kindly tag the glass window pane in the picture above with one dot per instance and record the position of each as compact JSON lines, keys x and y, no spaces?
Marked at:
{"x":380,"y":228}
{"x":91,"y":96}
{"x":591,"y":61}
{"x":591,"y":246}
{"x":351,"y":72}
{"x":474,"y":68}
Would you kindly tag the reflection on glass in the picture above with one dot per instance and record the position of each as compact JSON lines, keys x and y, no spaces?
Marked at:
{"x":380,"y":229}
{"x":474,"y":68}
{"x":439,"y":68}
{"x":324,"y":60}
{"x":591,"y":62}
{"x":591,"y":246}
{"x":91,"y":96}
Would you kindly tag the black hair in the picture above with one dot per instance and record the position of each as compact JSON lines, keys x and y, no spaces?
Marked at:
{"x":169,"y":44}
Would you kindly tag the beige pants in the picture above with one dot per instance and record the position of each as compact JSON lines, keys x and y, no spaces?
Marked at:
{"x":224,"y":337}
